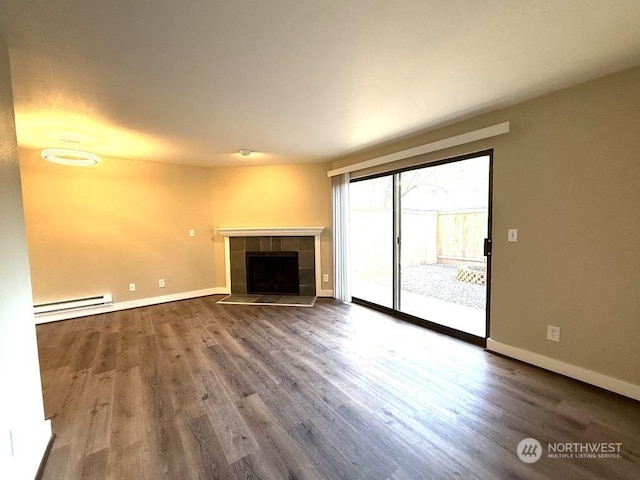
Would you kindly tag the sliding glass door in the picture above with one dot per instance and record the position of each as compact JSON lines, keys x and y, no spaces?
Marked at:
{"x":443,"y":223}
{"x":371,"y":231}
{"x":417,"y":242}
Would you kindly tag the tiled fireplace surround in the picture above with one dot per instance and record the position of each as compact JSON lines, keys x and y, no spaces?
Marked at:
{"x":238,"y":246}
{"x":304,"y":240}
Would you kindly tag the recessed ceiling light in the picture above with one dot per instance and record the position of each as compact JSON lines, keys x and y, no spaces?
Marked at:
{"x":245,"y":152}
{"x":74,"y":158}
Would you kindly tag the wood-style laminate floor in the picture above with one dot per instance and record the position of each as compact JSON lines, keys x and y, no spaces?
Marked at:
{"x":196,"y":390}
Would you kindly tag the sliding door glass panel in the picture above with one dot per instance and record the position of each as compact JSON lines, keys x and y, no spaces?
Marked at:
{"x":371,"y":232}
{"x":443,"y":223}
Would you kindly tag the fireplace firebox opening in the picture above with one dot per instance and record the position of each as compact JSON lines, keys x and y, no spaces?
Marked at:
{"x":272,"y":273}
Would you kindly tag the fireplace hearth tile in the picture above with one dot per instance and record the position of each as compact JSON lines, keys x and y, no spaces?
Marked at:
{"x":307,"y":276}
{"x":238,"y":260}
{"x":252,"y":244}
{"x":290,"y":244}
{"x":236,"y":244}
{"x":306,"y":244}
{"x":306,"y":259}
{"x":239,"y":288}
{"x":274,"y":300}
{"x":307,"y":290}
{"x":265,"y":244}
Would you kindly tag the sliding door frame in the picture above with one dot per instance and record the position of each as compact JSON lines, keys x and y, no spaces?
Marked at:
{"x":397,"y":238}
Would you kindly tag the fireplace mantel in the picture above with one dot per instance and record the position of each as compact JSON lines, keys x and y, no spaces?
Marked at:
{"x":228,"y":232}
{"x":270,"y":231}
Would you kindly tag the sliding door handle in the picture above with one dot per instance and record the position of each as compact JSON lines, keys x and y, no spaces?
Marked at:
{"x":487,"y":247}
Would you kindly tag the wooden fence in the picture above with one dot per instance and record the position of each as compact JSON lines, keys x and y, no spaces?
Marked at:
{"x":428,"y":237}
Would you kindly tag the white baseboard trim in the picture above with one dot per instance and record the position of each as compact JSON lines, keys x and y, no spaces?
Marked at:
{"x":28,"y":446}
{"x":221,"y":291}
{"x":142,"y":302}
{"x":588,"y":376}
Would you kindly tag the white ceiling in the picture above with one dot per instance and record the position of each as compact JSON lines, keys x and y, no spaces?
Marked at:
{"x":193,"y":81}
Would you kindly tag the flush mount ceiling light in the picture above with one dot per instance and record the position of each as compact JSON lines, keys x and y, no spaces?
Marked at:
{"x":245,"y":152}
{"x":76,"y":158}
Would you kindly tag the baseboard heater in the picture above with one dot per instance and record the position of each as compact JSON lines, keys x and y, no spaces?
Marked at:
{"x":73,"y":304}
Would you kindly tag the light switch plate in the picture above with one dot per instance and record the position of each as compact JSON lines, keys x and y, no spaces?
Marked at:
{"x":512,"y":235}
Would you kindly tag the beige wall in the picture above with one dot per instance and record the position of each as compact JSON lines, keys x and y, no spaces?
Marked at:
{"x":21,"y":407}
{"x":567,"y":176}
{"x":273,"y":196}
{"x":96,"y":229}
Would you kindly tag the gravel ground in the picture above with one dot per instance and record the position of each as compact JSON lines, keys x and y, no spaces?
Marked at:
{"x":439,"y":281}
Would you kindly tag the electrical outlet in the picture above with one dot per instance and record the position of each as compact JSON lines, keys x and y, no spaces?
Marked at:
{"x":132,"y":287}
{"x":161,"y":283}
{"x":553,"y":333}
{"x":192,"y":233}
{"x":325,"y":277}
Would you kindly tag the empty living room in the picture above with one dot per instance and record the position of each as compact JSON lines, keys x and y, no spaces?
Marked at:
{"x":319,"y":240}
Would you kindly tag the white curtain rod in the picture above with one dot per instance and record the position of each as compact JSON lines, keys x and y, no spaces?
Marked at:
{"x":481,"y":134}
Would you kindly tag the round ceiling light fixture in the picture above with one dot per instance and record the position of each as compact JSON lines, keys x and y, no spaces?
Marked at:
{"x":245,"y":152}
{"x":75,"y":158}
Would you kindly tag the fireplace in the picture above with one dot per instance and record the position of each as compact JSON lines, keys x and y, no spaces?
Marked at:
{"x":303,"y":248}
{"x":272,"y":273}
{"x":304,"y":240}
